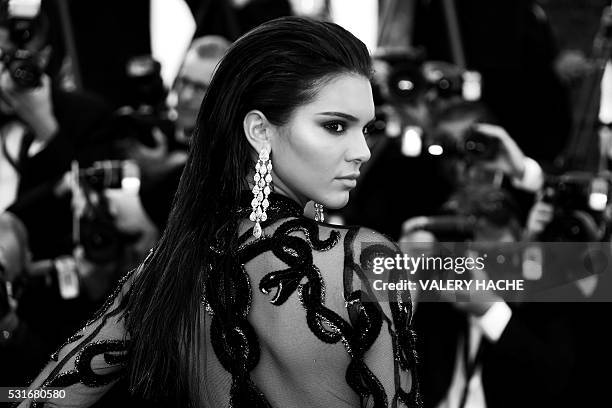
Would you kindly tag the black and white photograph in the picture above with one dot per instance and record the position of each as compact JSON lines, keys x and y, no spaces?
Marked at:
{"x":305,"y":203}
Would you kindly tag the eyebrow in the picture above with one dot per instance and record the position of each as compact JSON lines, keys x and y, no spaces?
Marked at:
{"x":345,"y":116}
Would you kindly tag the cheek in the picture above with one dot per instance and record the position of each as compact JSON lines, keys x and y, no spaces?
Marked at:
{"x":312,"y":153}
{"x":308,"y":160}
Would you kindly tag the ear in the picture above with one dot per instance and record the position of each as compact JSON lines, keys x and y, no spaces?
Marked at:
{"x":257,"y":130}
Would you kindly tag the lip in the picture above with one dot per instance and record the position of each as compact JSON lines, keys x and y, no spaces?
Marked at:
{"x":348,"y":182}
{"x":352,"y":176}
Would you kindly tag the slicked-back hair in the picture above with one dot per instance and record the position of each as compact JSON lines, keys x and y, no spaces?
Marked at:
{"x":275,"y":68}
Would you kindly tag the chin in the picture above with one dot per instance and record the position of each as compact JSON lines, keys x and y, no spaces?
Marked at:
{"x":336,"y":200}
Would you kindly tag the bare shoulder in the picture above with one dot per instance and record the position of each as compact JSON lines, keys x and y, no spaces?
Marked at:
{"x":368,"y":235}
{"x":368,"y":243}
{"x":358,"y":234}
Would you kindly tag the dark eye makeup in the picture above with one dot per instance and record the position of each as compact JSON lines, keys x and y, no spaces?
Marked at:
{"x":336,"y":127}
{"x":340,"y":126}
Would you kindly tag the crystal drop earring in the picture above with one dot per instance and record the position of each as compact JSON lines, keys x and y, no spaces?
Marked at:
{"x":319,"y":215}
{"x":261,"y":190}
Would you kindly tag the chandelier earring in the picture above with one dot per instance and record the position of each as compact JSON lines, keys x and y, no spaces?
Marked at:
{"x":319,"y":214}
{"x":262,"y":184}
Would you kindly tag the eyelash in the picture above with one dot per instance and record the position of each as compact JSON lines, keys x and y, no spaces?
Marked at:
{"x":331,"y":128}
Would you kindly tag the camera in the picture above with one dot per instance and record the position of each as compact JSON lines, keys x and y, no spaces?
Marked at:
{"x":472,"y":146}
{"x":111,"y":174}
{"x":579,"y":201}
{"x":405,"y":82}
{"x":410,"y":77}
{"x":444,"y":78}
{"x":96,"y":231}
{"x":146,"y":108}
{"x":21,"y":18}
{"x":145,"y":84}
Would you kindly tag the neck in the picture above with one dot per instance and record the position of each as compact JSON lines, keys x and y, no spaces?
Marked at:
{"x":280,"y":188}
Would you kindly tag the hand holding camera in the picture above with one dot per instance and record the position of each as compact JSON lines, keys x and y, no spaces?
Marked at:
{"x":24,"y":88}
{"x":509,"y":158}
{"x":32,"y":105}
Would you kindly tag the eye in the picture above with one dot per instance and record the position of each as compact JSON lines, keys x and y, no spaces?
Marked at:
{"x":335,"y":127}
{"x":369,"y":128}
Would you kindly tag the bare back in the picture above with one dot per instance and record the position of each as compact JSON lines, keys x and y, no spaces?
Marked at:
{"x":313,"y":333}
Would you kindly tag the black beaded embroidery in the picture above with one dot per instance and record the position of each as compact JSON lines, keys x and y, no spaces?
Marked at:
{"x":233,"y":338}
{"x":237,"y":346}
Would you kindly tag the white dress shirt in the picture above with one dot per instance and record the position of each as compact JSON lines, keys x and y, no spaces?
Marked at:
{"x":491,"y":325}
{"x":11,"y":136}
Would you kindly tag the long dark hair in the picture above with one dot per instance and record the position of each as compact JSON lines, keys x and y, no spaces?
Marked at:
{"x":274,"y":68}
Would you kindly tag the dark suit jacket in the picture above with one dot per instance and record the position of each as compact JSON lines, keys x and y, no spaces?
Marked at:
{"x":82,"y":119}
{"x":528,"y":367}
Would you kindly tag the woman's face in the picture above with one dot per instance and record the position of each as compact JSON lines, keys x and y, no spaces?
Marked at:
{"x":318,"y":153}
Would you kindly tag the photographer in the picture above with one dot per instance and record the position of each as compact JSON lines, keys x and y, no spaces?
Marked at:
{"x":384,"y":201}
{"x":512,"y":45}
{"x":162,"y":163}
{"x":41,"y":126}
{"x":489,"y":352}
{"x":74,"y":282}
{"x":116,"y":229}
{"x":29,"y":134}
{"x":487,"y":153}
{"x":592,"y":336}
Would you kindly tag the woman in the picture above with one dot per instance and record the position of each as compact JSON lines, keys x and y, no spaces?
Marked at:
{"x":245,"y":302}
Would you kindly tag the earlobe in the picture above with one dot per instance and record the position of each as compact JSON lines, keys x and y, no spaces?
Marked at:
{"x":256,"y":130}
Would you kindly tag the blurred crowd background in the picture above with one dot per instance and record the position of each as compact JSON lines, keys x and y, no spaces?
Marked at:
{"x":493,"y":126}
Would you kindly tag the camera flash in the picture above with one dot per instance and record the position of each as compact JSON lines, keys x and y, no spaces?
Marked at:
{"x":435,"y":150}
{"x":472,"y":86}
{"x":405,"y":85}
{"x":598,"y":199}
{"x":130,"y":182}
{"x":412,"y":144}
{"x":24,"y":8}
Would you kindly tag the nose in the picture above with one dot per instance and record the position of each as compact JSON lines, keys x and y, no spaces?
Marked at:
{"x":358,"y":150}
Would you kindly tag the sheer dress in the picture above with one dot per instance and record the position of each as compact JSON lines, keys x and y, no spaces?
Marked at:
{"x":311,"y":331}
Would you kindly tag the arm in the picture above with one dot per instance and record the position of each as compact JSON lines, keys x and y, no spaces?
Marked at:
{"x":92,"y":360}
{"x":524,"y":172}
